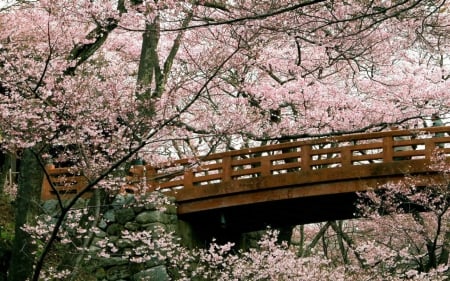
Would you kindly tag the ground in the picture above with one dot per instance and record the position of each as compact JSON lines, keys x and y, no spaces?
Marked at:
{"x":6,"y":218}
{"x":6,"y":234}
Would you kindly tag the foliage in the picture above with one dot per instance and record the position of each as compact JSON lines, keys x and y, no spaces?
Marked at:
{"x":413,"y":229}
{"x":6,"y":219}
{"x":92,"y":84}
{"x":274,"y":261}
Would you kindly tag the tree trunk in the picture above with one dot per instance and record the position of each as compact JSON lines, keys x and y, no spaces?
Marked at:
{"x":74,"y":262}
{"x":3,"y":171}
{"x":316,"y":239}
{"x":26,"y":211}
{"x":7,"y":170}
{"x":337,"y":227}
{"x":444,"y":256}
{"x":149,"y":68}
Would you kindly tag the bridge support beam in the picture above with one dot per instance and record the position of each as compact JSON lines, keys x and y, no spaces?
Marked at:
{"x":199,"y":234}
{"x":194,"y":235}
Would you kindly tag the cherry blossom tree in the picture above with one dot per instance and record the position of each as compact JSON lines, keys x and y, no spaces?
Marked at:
{"x":91,"y":85}
{"x":416,"y":227}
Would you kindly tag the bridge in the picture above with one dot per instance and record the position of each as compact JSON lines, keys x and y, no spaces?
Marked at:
{"x":283,"y":184}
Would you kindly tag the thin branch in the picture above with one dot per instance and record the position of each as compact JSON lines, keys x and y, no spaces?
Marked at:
{"x":67,"y":208}
{"x":47,"y":61}
{"x":379,"y":126}
{"x":241,"y":19}
{"x":316,"y":239}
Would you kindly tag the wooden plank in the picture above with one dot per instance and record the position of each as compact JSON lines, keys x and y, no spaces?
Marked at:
{"x":246,"y":172}
{"x":46,"y":193}
{"x":304,"y":178}
{"x":266,"y":167}
{"x":306,"y":157}
{"x":61,"y":180}
{"x":367,"y":146}
{"x":319,"y":141}
{"x":188,"y":181}
{"x":227,"y":169}
{"x":206,"y":178}
{"x":326,"y":161}
{"x":222,"y":166}
{"x":388,"y":150}
{"x":247,"y":161}
{"x":170,"y":184}
{"x":377,"y":136}
{"x":346,"y":157}
{"x":286,"y":166}
{"x":292,"y":192}
{"x":208,"y":167}
{"x":284,"y":156}
{"x":367,"y":157}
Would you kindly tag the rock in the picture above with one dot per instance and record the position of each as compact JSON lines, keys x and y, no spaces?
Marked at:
{"x":125,"y":215}
{"x":118,"y":202}
{"x":171,"y":209}
{"x":155,"y":216}
{"x":102,"y":224}
{"x":150,"y":206}
{"x":110,"y":216}
{"x":114,"y":229}
{"x":138,"y":209}
{"x":100,"y":234}
{"x":100,"y":273}
{"x":109,"y":262}
{"x":132,"y":226}
{"x":118,"y":272}
{"x":157,"y":273}
{"x":80,"y":204}
{"x":148,"y":217}
{"x":51,"y":207}
{"x":154,"y":227}
{"x":124,"y":243}
{"x":123,"y":200}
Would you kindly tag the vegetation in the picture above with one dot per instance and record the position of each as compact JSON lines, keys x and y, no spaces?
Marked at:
{"x":92,"y":85}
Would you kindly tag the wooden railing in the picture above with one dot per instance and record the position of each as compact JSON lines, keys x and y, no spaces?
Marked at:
{"x":63,"y":181}
{"x":291,"y":157}
{"x":305,"y":155}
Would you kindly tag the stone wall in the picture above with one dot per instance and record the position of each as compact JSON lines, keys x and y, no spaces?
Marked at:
{"x":113,"y":251}
{"x":115,"y":256}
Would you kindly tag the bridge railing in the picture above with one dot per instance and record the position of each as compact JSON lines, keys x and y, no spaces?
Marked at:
{"x":305,"y":155}
{"x":64,"y":182}
{"x":290,"y":157}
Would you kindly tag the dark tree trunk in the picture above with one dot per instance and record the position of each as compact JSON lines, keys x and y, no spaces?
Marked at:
{"x":7,"y":169}
{"x":26,"y":211}
{"x":3,"y":171}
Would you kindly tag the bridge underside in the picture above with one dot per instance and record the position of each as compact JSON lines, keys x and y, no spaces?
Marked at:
{"x":226,"y":223}
{"x":292,"y":199}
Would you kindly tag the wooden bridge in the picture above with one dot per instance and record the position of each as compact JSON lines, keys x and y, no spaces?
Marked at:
{"x":283,"y":184}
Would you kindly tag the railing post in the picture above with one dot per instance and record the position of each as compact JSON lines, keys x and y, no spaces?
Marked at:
{"x":137,"y":171}
{"x":346,"y":156}
{"x":430,"y":146}
{"x":388,"y":150}
{"x":150,"y":177}
{"x":188,"y":179}
{"x":265,"y":166}
{"x":226,"y":168}
{"x":46,"y":192}
{"x":305,"y":152}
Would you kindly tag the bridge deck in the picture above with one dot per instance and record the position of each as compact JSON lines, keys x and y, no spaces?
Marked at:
{"x":281,"y":172}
